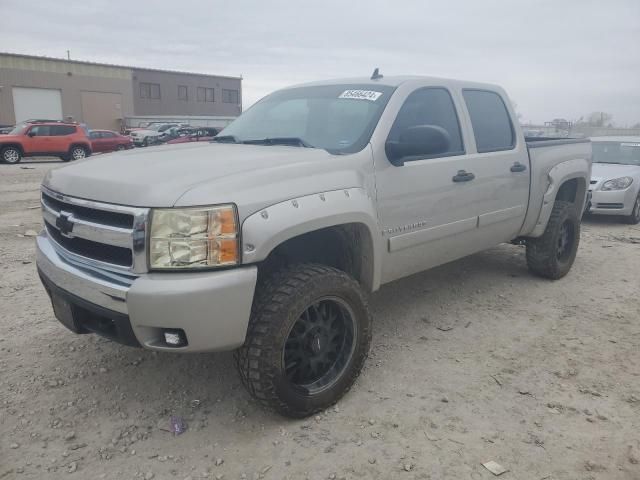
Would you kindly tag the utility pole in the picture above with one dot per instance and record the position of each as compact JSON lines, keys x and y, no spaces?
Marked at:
{"x":68,"y":55}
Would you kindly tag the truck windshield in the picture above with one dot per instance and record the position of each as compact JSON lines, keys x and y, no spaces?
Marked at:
{"x":336,"y":118}
{"x":625,"y":153}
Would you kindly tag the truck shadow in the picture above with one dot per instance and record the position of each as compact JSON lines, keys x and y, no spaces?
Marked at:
{"x":172,"y":382}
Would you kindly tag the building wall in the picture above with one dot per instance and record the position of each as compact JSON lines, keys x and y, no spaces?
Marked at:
{"x":103,"y":86}
{"x":170,"y":104}
{"x":71,"y":78}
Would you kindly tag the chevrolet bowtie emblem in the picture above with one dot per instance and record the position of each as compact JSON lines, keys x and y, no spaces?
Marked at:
{"x":64,"y":223}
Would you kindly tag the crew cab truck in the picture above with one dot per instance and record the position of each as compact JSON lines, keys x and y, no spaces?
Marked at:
{"x":270,"y":239}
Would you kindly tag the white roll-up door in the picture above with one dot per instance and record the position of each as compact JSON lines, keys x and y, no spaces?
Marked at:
{"x":37,"y":103}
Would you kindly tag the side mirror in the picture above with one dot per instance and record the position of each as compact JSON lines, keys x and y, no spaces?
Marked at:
{"x":31,"y":134}
{"x":418,"y":140}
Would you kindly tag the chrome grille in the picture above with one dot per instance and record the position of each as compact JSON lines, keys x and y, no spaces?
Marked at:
{"x":108,"y":236}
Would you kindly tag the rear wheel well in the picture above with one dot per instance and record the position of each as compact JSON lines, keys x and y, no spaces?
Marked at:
{"x":569,"y":190}
{"x":347,"y":247}
{"x":74,"y":145}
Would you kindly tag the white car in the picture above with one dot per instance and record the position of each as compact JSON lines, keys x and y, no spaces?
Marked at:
{"x":615,"y":177}
{"x":149,"y":136}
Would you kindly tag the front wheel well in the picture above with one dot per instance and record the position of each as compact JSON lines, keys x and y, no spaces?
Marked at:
{"x":347,"y":247}
{"x":14,"y":145}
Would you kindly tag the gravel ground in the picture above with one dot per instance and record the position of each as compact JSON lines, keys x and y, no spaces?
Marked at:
{"x":470,"y":362}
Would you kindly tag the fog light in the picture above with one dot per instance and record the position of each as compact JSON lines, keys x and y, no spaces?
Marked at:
{"x":175,"y":338}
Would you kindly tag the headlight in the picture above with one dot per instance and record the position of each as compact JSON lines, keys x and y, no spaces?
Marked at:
{"x":617,"y":183}
{"x":193,"y":237}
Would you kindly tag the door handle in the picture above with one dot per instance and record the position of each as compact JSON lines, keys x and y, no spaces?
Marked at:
{"x":463,"y":176}
{"x":518,"y":167}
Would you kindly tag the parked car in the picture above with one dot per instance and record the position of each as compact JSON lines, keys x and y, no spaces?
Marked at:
{"x":152,"y":135}
{"x":35,"y":138}
{"x":270,"y":239}
{"x":5,"y":129}
{"x":615,"y":179}
{"x":144,"y":126}
{"x":109,"y":141}
{"x":200,"y":134}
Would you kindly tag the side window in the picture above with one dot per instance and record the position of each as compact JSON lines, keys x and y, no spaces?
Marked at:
{"x":229,"y":96}
{"x":145,"y":90}
{"x":155,"y":91}
{"x":107,"y":135}
{"x":94,"y":135}
{"x":150,"y":90}
{"x":490,"y":119}
{"x":183,"y":92}
{"x":40,"y":131}
{"x":430,"y":106}
{"x":60,"y":130}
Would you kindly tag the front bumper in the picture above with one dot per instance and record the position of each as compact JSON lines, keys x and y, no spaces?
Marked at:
{"x":613,"y":202}
{"x":211,"y":308}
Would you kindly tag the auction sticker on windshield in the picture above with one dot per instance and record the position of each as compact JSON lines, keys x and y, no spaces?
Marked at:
{"x":370,"y":95}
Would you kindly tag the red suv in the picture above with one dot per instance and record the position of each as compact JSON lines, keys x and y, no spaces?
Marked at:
{"x":49,"y":138}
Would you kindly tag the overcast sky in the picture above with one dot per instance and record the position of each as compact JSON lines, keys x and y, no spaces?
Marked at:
{"x":555,"y":58}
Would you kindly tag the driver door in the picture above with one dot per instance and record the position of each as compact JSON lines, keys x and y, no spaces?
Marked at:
{"x":38,"y":140}
{"x":427,"y":207}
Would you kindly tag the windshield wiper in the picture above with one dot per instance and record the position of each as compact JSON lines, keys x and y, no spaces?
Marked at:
{"x":225,"y":139}
{"x":293,"y":141}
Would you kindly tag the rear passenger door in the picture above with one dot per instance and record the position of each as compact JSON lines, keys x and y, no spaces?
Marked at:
{"x":428,"y":215}
{"x":61,"y":137}
{"x":503,"y":187}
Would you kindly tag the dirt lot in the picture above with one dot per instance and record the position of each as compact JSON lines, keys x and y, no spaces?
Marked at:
{"x":473,"y":361}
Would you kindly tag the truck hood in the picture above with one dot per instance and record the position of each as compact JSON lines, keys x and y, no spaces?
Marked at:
{"x":201,"y":173}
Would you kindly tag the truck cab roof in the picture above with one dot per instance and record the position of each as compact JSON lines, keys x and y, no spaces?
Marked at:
{"x":397,"y":80}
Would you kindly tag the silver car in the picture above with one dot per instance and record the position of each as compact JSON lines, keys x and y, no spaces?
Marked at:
{"x":615,"y":177}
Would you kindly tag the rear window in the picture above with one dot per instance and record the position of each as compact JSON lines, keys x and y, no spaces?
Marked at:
{"x":490,"y":119}
{"x":59,"y":130}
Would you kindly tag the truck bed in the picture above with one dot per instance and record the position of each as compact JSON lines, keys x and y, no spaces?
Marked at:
{"x":545,"y":158}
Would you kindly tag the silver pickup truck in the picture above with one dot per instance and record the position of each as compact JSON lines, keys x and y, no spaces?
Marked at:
{"x":269,"y":240}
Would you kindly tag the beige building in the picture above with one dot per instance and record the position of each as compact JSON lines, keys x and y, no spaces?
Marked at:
{"x":110,"y":96}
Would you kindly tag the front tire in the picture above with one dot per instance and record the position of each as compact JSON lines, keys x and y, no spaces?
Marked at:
{"x":11,"y":155}
{"x":552,"y":254}
{"x":307,"y":340}
{"x":634,"y":218}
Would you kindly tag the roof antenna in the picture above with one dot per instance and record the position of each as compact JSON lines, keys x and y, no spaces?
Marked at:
{"x":376,"y":74}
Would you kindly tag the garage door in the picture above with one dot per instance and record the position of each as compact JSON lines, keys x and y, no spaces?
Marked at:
{"x":102,"y":110}
{"x":31,"y":103}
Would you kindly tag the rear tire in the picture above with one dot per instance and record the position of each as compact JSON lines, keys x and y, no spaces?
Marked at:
{"x":77,"y":153}
{"x":11,"y":155}
{"x":634,"y":218}
{"x":307,"y":340}
{"x":552,"y":254}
